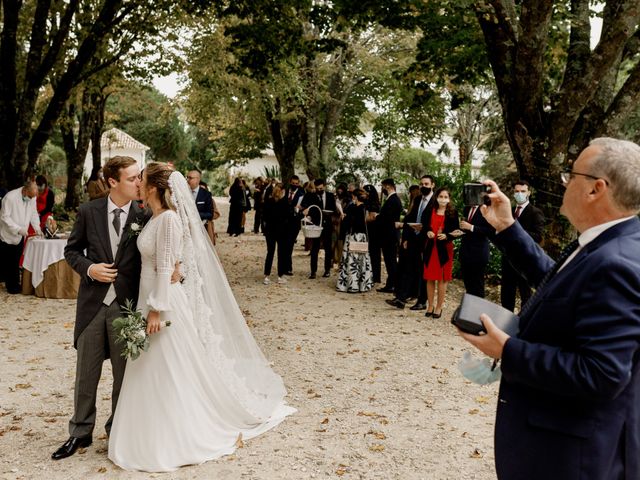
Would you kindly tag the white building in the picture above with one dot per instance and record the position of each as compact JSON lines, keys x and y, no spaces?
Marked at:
{"x":116,"y":142}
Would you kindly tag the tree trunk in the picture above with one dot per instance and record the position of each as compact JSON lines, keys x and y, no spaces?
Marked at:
{"x":76,"y":149}
{"x":286,"y":138}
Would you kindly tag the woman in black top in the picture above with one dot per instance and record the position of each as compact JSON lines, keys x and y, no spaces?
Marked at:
{"x":275,"y":218}
{"x":237,"y":204}
{"x":355,"y":267}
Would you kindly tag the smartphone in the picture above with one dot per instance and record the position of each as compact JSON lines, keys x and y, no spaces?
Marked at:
{"x":476,"y":194}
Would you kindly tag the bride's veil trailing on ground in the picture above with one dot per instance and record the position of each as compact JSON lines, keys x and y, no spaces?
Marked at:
{"x":221,"y":325}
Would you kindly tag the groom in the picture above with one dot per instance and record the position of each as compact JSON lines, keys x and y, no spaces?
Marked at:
{"x":102,"y":249}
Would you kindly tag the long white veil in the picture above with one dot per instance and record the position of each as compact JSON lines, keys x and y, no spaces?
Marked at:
{"x":223,"y":330}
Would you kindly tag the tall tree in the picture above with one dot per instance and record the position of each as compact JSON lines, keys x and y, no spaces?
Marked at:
{"x":52,"y":46}
{"x":308,"y":69}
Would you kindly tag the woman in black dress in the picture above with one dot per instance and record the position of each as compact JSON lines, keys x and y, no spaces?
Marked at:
{"x":237,"y":205}
{"x":355,"y":267}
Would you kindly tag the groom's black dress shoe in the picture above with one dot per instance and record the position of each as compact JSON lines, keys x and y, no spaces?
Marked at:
{"x":418,"y":306}
{"x":70,"y":447}
{"x":395,"y":302}
{"x":384,"y":290}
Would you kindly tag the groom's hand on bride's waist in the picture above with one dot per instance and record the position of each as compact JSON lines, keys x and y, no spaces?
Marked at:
{"x":103,"y":272}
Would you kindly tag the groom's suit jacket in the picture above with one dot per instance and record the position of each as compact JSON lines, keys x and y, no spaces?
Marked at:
{"x":569,"y":401}
{"x":88,"y":244}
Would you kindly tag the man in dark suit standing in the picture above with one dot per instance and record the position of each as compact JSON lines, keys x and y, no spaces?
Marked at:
{"x":386,"y":228}
{"x":327,"y":202}
{"x":202,"y":197}
{"x":412,"y":242}
{"x":293,"y":194}
{"x":532,"y":221}
{"x":474,"y":250}
{"x":568,"y":403}
{"x":102,"y":249}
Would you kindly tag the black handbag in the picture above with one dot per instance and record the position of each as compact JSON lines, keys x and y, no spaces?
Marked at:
{"x":467,"y":316}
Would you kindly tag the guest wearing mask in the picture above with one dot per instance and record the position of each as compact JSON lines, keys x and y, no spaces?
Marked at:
{"x":355,"y":273}
{"x":18,"y":212}
{"x":97,"y":187}
{"x":532,"y":221}
{"x":276,"y":216}
{"x":443,"y":228}
{"x":293,"y":194}
{"x":411,"y":282}
{"x":386,"y":227}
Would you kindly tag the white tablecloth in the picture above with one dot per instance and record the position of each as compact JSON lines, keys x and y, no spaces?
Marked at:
{"x":39,"y":254}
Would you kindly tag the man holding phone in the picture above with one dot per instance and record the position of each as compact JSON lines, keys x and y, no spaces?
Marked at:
{"x":474,"y":247}
{"x":569,"y":404}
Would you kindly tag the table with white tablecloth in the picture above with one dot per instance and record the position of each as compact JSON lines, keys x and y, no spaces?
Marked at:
{"x":46,"y":273}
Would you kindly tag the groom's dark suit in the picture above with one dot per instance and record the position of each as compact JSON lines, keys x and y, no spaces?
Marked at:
{"x":89,"y":243}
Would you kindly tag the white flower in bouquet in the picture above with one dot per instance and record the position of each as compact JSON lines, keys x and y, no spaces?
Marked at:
{"x":131,"y":329}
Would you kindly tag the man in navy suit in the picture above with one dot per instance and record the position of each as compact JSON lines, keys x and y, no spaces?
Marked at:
{"x":293,"y":194}
{"x":412,"y":244}
{"x":386,"y":228}
{"x":531,"y":219}
{"x":569,"y":401}
{"x":202,"y":197}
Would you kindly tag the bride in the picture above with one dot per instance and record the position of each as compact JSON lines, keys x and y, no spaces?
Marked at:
{"x":203,"y":383}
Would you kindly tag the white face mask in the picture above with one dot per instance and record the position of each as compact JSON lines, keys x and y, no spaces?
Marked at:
{"x":443,"y":203}
{"x":520,"y":197}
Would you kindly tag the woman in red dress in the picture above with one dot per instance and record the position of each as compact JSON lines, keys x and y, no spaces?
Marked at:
{"x":444,"y":227}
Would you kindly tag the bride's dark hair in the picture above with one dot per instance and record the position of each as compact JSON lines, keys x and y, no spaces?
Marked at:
{"x":158,"y":176}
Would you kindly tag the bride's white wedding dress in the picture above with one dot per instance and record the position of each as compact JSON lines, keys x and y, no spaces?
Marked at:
{"x":190,"y":396}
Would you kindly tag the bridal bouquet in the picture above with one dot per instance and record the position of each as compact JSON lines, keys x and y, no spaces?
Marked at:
{"x":131,"y":329}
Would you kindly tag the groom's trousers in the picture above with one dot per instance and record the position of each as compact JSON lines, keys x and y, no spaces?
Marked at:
{"x":95,"y":344}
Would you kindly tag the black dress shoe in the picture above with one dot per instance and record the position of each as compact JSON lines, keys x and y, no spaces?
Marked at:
{"x":428,"y":313}
{"x":418,"y":306}
{"x":384,"y":290}
{"x":70,"y":447}
{"x":394,"y":302}
{"x":289,"y":273}
{"x":436,"y":315}
{"x":325,"y":275}
{"x":312,"y":275}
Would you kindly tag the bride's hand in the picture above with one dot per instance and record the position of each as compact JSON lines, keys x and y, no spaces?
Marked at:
{"x":153,"y":322}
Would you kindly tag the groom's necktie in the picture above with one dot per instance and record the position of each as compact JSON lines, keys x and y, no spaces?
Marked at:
{"x":116,"y":220}
{"x":566,"y":253}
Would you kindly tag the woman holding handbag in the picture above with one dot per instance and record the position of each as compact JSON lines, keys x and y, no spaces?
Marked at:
{"x":355,"y":268}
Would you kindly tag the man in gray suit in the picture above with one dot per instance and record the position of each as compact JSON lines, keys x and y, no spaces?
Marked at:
{"x":102,"y":249}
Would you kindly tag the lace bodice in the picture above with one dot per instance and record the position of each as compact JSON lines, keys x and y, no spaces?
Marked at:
{"x":160,"y":246}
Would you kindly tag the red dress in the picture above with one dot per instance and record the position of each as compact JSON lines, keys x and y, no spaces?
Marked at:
{"x":433,"y":270}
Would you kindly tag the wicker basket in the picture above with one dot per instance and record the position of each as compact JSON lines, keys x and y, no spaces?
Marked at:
{"x":310,"y":229}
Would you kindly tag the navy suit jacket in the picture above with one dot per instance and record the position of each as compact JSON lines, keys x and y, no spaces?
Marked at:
{"x":569,"y":401}
{"x":386,"y":220}
{"x":204,"y":204}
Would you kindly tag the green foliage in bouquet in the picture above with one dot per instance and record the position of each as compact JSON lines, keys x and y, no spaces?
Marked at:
{"x":131,"y":329}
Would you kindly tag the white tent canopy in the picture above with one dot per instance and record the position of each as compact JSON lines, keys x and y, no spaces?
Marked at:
{"x":116,"y":142}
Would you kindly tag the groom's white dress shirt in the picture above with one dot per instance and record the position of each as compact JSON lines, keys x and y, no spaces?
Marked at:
{"x":114,"y":240}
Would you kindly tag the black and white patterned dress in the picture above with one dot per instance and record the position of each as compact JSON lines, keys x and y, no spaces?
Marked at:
{"x":355,"y":273}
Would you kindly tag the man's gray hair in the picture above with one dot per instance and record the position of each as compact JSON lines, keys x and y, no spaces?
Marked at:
{"x":30,"y":184}
{"x":619,"y":162}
